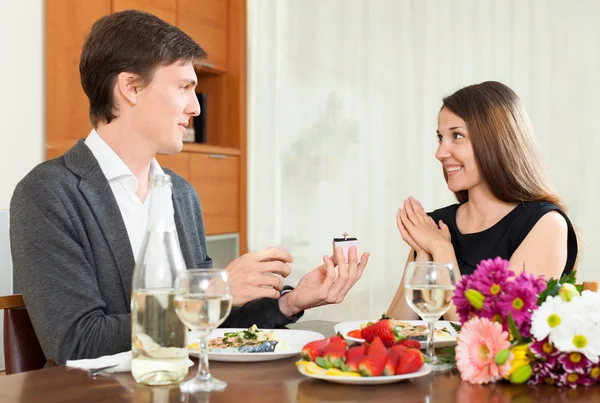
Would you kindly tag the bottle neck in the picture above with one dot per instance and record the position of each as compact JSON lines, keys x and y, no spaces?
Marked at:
{"x":161,"y":215}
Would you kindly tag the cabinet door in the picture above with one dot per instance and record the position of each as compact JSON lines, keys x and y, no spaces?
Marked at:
{"x":163,"y":9}
{"x":206,"y":22}
{"x":67,"y":106}
{"x":180,"y":163}
{"x":216,"y":178}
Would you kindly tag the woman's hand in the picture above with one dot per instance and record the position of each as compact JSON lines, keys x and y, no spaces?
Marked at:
{"x":418,"y":229}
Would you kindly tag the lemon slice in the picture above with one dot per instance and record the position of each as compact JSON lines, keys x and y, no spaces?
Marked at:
{"x":313,"y":368}
{"x":338,"y":372}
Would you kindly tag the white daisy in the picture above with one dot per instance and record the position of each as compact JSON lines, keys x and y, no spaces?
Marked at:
{"x":553,"y":314}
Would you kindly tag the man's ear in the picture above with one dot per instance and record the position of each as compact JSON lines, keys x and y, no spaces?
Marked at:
{"x":128,"y":85}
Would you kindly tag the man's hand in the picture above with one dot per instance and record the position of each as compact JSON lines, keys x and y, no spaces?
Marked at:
{"x":326,"y":284}
{"x":256,"y":275}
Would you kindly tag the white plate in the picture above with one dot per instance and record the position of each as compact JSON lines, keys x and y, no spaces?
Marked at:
{"x":367,"y":380}
{"x":295,"y":339}
{"x":447,"y":341}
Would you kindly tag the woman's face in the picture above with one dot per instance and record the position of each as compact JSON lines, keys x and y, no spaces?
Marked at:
{"x":455,"y":152}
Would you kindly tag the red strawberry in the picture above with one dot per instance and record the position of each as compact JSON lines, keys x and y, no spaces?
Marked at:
{"x":383,"y":329}
{"x":411,"y":361}
{"x":376,"y":347}
{"x":398,"y":349}
{"x":410,"y":343}
{"x":351,"y":364}
{"x":372,"y":365}
{"x":314,"y":349}
{"x":338,"y":339}
{"x":356,"y":351}
{"x":333,"y":357}
{"x":355,"y":333}
{"x":392,"y":362}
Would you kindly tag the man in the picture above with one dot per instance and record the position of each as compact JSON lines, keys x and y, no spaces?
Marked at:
{"x":77,"y":222}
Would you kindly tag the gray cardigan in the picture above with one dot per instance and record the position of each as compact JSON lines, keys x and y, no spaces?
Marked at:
{"x":74,"y":263}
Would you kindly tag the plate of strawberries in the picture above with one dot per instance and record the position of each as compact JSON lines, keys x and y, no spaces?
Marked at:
{"x":392,"y":331}
{"x":374,"y":363}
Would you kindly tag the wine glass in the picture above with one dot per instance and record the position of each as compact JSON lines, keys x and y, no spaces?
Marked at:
{"x":429,"y":287}
{"x":203,"y":302}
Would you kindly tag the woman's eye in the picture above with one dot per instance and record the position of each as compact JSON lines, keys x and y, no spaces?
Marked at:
{"x":458,"y":135}
{"x":439,"y":138}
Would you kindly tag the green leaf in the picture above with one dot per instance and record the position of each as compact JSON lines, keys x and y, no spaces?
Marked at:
{"x":384,"y":316}
{"x":321,"y":362}
{"x":447,"y":354}
{"x":513,"y":328}
{"x":569,"y":278}
{"x":455,"y":326}
{"x":551,"y":290}
{"x":579,"y":288}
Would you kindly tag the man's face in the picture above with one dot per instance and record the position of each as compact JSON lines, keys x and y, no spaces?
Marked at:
{"x":165,"y":106}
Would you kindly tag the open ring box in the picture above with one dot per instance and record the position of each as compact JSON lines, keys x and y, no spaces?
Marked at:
{"x":345,"y":243}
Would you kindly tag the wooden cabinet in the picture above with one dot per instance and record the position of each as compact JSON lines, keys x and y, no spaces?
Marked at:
{"x":206,"y":21}
{"x":163,"y":9}
{"x":67,"y":106}
{"x":217,"y":169}
{"x":216,"y":179}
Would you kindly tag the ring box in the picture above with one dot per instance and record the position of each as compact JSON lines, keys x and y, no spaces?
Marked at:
{"x":345,"y":243}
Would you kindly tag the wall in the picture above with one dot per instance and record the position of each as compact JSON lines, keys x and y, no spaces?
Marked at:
{"x":21,"y":106}
{"x":343,"y":101}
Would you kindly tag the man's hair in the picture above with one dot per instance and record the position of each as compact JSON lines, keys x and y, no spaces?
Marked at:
{"x":129,"y":41}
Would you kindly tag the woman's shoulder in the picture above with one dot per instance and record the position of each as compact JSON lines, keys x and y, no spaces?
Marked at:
{"x":446,"y":214}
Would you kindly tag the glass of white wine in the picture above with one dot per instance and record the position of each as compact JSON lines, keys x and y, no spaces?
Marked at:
{"x":203,"y":302}
{"x":429,"y":287}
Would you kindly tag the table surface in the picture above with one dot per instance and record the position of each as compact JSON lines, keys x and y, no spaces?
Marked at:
{"x":274,"y":381}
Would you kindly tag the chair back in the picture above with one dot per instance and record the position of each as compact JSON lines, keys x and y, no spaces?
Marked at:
{"x":22,"y":350}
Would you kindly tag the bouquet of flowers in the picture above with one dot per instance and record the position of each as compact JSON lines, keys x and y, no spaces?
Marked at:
{"x":524,"y":329}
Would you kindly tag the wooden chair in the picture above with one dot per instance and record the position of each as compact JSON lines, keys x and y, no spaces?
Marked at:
{"x":22,"y":350}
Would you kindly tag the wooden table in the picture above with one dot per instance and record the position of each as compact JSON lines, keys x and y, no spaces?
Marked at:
{"x":275,"y":381}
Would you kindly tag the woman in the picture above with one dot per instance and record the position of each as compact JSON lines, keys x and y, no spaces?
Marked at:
{"x":507,"y":205}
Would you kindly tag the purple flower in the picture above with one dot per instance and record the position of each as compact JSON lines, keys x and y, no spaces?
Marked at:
{"x":544,"y":351}
{"x":537,"y":283}
{"x":544,"y":373}
{"x":574,"y":363}
{"x":518,"y":300}
{"x":593,"y":372}
{"x":496,"y":271}
{"x":573,"y":379}
{"x":463,"y":307}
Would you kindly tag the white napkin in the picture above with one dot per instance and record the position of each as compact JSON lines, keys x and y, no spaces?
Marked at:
{"x":122,"y":360}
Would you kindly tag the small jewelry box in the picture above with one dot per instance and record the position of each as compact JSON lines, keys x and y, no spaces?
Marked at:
{"x":345,"y":243}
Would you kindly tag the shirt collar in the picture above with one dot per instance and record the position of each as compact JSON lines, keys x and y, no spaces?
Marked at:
{"x":111,"y":164}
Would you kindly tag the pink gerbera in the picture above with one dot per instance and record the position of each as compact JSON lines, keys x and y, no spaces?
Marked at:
{"x":478,"y":343}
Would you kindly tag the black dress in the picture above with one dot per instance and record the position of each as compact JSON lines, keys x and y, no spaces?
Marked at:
{"x":504,"y":237}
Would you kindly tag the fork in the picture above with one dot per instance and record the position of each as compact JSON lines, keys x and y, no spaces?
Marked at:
{"x":96,"y":371}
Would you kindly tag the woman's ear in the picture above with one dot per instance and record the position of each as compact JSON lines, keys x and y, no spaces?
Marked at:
{"x":128,"y":86}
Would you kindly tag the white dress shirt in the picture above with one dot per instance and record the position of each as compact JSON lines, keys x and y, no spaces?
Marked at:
{"x":124,"y":185}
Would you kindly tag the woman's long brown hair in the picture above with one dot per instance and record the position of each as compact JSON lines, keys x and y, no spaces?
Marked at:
{"x":504,"y":144}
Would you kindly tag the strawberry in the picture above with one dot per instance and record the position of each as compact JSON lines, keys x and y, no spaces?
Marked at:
{"x":392,"y":362}
{"x":376,"y":347}
{"x":314,"y":349}
{"x":372,"y":364}
{"x":351,"y":364}
{"x":333,"y":357}
{"x":383,"y":329}
{"x":338,"y":339}
{"x":411,"y":361}
{"x":410,"y":343}
{"x":355,"y":333}
{"x":398,"y":349}
{"x":356,"y":351}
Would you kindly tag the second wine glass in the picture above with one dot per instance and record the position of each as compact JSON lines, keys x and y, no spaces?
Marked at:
{"x":429,"y":287}
{"x":203,"y":302}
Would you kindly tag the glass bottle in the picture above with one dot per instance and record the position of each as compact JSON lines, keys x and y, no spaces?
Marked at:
{"x":159,"y":338}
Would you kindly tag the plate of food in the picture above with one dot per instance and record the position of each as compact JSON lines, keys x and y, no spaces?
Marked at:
{"x":444,"y":336}
{"x":253,"y":344}
{"x":334,"y":360}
